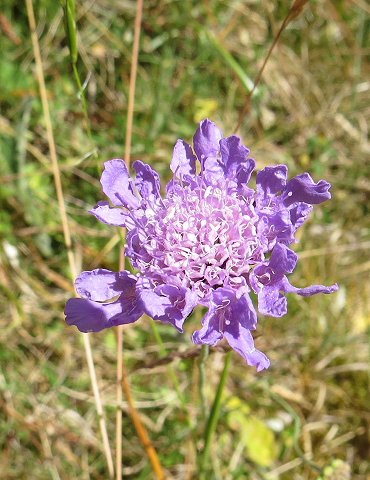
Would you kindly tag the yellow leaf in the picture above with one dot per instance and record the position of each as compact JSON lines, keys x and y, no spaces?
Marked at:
{"x":259,"y":440}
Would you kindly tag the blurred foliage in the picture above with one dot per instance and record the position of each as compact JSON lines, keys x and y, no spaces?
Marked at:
{"x":257,"y":438}
{"x":197,"y":59}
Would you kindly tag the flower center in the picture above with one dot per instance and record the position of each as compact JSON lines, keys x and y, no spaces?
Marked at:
{"x":199,"y":237}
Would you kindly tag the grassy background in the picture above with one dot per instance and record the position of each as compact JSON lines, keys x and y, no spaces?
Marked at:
{"x":310,"y":111}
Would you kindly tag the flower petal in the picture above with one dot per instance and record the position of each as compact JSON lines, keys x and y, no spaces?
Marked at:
{"x":183,"y":159}
{"x":234,"y":310}
{"x":147,"y":180}
{"x":272,"y":302}
{"x":168,"y":303}
{"x":299,"y":214}
{"x":276,"y":228}
{"x":206,"y":140}
{"x":233,"y":153}
{"x":244,"y":172}
{"x":117,"y":184}
{"x":271,"y":180}
{"x":210,"y":333}
{"x":226,"y":311}
{"x":308,"y":291}
{"x":283,"y":259}
{"x":135,"y":249}
{"x":100,"y":285}
{"x":270,"y":274}
{"x":303,"y":189}
{"x":89,"y":316}
{"x":112,"y":216}
{"x":240,"y":339}
{"x":212,"y":170}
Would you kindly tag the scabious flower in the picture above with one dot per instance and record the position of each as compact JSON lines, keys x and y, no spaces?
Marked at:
{"x":211,"y":241}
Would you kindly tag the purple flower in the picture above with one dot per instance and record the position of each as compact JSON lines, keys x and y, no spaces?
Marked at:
{"x":210,"y":240}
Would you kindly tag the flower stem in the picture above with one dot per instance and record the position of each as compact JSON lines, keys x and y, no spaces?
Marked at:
{"x":171,"y":372}
{"x":83,"y":101}
{"x":202,"y":377}
{"x":69,"y":11}
{"x":213,"y":418}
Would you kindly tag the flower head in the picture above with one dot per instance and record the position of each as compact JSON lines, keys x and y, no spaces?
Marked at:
{"x":210,"y":240}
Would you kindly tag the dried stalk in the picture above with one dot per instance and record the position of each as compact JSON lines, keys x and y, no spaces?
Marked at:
{"x":122,"y":381}
{"x":140,"y":428}
{"x":65,"y":226}
{"x":294,"y":11}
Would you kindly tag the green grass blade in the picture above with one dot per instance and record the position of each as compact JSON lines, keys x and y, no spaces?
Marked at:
{"x":229,"y":60}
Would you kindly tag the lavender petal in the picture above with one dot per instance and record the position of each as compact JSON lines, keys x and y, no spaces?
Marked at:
{"x":271,"y":180}
{"x":89,"y":316}
{"x":303,"y":189}
{"x":283,"y":259}
{"x":112,"y":216}
{"x":168,"y":303}
{"x":183,"y":159}
{"x":206,"y":140}
{"x":241,"y":341}
{"x":100,"y":284}
{"x":272,"y":302}
{"x":147,"y":180}
{"x":210,"y":333}
{"x":118,"y":185}
{"x":308,"y":291}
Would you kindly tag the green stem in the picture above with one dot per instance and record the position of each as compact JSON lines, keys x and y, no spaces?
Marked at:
{"x":69,"y":9}
{"x":158,"y":339}
{"x":202,"y":380}
{"x":83,"y":98}
{"x":80,"y":89}
{"x":213,"y":418}
{"x":171,"y":371}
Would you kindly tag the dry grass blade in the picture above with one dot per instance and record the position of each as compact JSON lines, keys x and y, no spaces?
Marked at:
{"x":140,"y":428}
{"x":65,"y":226}
{"x":294,"y":11}
{"x":122,"y":380}
{"x":8,"y":30}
